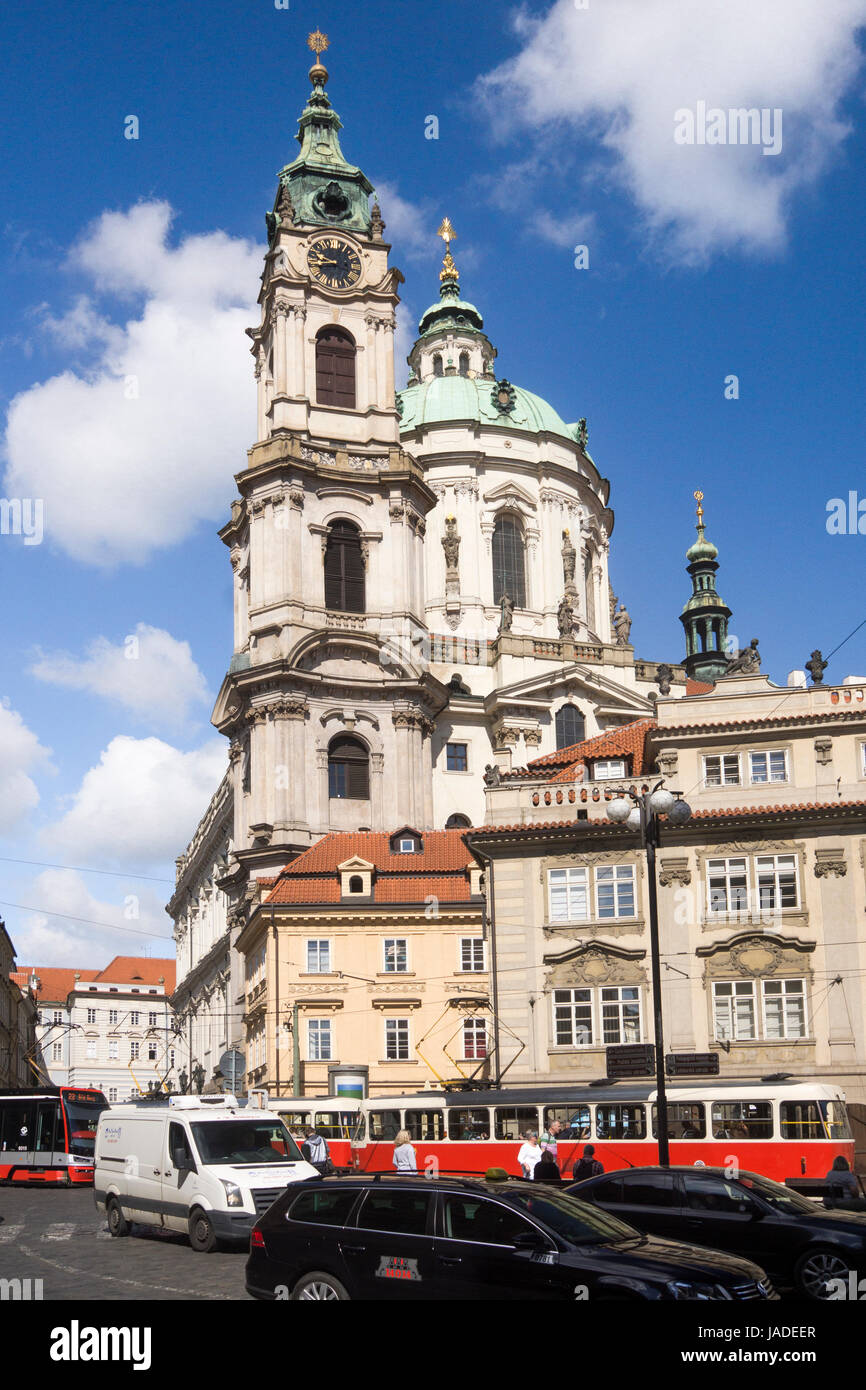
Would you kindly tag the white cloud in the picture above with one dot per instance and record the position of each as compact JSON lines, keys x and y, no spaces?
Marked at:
{"x":150,"y":673}
{"x":131,"y":454}
{"x":21,"y":754}
{"x":140,"y":805}
{"x":131,"y":922}
{"x":407,"y":225}
{"x":618,"y":70}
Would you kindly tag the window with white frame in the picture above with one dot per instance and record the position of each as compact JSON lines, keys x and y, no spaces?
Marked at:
{"x":471,"y":953}
{"x":152,"y":1018}
{"x":134,"y":1049}
{"x":722,"y":770}
{"x":112,"y":1094}
{"x":90,"y":1051}
{"x":777,"y":881}
{"x":112,"y":1016}
{"x":56,"y":1052}
{"x":614,"y":891}
{"x":135,"y":1018}
{"x":604,"y":1016}
{"x":474,"y":1039}
{"x":319,"y":1039}
{"x":606,"y":769}
{"x":396,"y":955}
{"x":727,"y":885}
{"x":784,"y":1008}
{"x":569,"y":895}
{"x":91,"y":1015}
{"x":863,"y":759}
{"x":397,"y":1039}
{"x":769,"y":767}
{"x":151,"y":1051}
{"x":113,"y":1050}
{"x":58,"y":1016}
{"x":171,"y":1059}
{"x":318,"y":957}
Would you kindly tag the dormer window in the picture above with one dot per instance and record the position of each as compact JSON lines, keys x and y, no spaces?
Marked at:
{"x":406,"y":841}
{"x":356,"y":878}
{"x":606,"y":769}
{"x":408,"y":846}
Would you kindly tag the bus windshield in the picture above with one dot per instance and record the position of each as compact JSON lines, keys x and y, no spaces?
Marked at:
{"x":82,"y":1115}
{"x":244,"y":1141}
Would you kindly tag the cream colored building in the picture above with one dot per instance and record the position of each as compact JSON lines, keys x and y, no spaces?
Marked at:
{"x":762,"y":894}
{"x":373,"y":945}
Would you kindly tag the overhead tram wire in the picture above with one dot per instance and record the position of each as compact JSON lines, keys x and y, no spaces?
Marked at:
{"x":79,"y":869}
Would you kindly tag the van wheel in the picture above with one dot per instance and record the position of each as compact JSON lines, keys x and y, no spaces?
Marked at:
{"x":202,"y":1236}
{"x":814,"y":1270}
{"x":117,"y":1222}
{"x":318,"y":1287}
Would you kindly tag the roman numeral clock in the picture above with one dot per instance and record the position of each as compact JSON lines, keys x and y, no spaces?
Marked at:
{"x":334,"y":263}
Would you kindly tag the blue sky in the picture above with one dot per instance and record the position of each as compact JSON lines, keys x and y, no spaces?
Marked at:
{"x":142,"y":257}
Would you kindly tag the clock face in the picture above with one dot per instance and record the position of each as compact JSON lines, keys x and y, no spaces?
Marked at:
{"x":334,"y":263}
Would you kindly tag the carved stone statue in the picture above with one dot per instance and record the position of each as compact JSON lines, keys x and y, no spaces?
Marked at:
{"x":491,"y":775}
{"x":183,"y":1081}
{"x":582,"y":432}
{"x":664,"y":676}
{"x":285,"y":207}
{"x":816,"y":668}
{"x":622,"y":625}
{"x":458,"y":685}
{"x":569,"y":560}
{"x":613,"y":601}
{"x":506,"y":612}
{"x":377,"y":225}
{"x":565,"y":618}
{"x":198,"y":1077}
{"x":747,"y":662}
{"x":451,"y":546}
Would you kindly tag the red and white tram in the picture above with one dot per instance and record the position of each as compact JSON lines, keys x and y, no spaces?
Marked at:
{"x":47,"y":1134}
{"x":783,"y":1128}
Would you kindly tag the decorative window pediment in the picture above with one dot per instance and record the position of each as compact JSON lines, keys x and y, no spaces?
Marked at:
{"x":594,"y":965}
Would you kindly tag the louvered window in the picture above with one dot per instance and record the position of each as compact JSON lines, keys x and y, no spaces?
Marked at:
{"x":508,"y":568}
{"x":335,"y":368}
{"x":570,"y":726}
{"x":344,"y":569}
{"x":348,"y":769}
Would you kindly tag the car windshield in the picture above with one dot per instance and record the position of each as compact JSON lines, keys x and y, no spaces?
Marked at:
{"x":244,"y":1141}
{"x":82,"y":1118}
{"x":575,"y":1221}
{"x":782,"y":1198}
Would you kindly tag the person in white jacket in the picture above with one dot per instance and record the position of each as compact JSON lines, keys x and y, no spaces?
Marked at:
{"x":405,"y":1158}
{"x":530,"y":1154}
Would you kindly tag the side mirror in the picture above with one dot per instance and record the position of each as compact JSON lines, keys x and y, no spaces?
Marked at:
{"x":182,"y":1161}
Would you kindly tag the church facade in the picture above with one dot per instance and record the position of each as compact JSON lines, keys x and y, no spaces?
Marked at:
{"x":422,"y":595}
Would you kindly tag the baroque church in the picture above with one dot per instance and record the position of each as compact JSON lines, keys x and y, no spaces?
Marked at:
{"x":422,"y":596}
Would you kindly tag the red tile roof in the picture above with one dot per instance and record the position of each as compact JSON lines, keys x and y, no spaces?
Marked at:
{"x":719,"y":813}
{"x":55,"y":983}
{"x":627,"y":741}
{"x":768,"y":721}
{"x":694,"y":687}
{"x":440,"y":870}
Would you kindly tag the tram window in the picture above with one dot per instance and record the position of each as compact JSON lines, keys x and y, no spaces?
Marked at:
{"x":742,"y":1119}
{"x":620,"y":1122}
{"x":384,"y":1124}
{"x":338,"y":1124}
{"x":836,"y":1119}
{"x":512,"y":1121}
{"x":575,"y":1120}
{"x":801,"y":1119}
{"x":17,"y":1119}
{"x":468,"y":1124}
{"x":296,"y":1122}
{"x":685,"y":1120}
{"x":425,"y":1124}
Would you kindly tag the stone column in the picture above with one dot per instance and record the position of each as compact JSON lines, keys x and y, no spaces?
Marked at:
{"x":281,"y":313}
{"x":400,"y":788}
{"x":377,"y":790}
{"x":388,"y":331}
{"x":370,"y":362}
{"x":381,"y":366}
{"x":261,"y":395}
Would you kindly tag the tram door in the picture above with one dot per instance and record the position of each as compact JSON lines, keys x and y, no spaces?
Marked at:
{"x":47,"y":1121}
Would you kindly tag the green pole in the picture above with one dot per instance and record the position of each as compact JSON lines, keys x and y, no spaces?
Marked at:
{"x":296,"y":1050}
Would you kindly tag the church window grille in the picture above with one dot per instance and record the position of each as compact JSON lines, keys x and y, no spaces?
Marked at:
{"x":344,"y":569}
{"x":348,"y":770}
{"x":464,"y":364}
{"x":570,"y":726}
{"x":438,"y":369}
{"x":509,"y":575}
{"x":335,"y":368}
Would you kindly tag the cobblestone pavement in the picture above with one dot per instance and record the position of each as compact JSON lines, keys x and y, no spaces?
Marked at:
{"x":59,"y":1237}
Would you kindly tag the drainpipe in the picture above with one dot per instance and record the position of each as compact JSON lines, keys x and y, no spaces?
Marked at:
{"x":491,"y":918}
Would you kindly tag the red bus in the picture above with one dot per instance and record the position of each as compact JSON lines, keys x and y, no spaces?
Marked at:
{"x":781,"y":1127}
{"x":47,"y":1134}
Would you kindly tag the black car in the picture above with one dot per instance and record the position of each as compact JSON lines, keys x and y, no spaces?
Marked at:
{"x":378,"y":1236}
{"x":794,"y":1239}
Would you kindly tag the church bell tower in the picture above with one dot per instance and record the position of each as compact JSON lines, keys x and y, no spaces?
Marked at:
{"x":328,"y":702}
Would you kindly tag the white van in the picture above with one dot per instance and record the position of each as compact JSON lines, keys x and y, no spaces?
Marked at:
{"x":198,"y":1164}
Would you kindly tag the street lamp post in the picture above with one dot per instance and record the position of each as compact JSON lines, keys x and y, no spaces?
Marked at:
{"x":642,"y":811}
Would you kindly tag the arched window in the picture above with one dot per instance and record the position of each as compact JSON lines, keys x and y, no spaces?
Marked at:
{"x":508,"y":568}
{"x":457,"y":822}
{"x":348,"y":769}
{"x":356,"y":884}
{"x":438,"y":369}
{"x":464,"y":364}
{"x":335,"y":368}
{"x":344,"y":569}
{"x":570,"y":726}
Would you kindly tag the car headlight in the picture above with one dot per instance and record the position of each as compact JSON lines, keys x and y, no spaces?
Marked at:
{"x":680,"y":1289}
{"x":234,"y":1196}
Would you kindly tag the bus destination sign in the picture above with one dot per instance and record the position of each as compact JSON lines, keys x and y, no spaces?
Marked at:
{"x":692,"y":1064}
{"x":631,"y":1059}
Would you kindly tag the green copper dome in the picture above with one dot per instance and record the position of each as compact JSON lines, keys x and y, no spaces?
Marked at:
{"x":446,"y":398}
{"x":702,"y":549}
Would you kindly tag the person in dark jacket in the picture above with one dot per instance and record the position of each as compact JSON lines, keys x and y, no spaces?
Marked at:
{"x":588,"y":1166}
{"x":546,"y":1169}
{"x":843,"y":1187}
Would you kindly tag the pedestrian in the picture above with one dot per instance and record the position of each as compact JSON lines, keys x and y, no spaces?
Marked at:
{"x":550,"y":1136}
{"x":547,"y":1168}
{"x":842,"y":1184}
{"x":405,"y":1158}
{"x":588,"y":1166}
{"x":529,"y":1154}
{"x":315,"y":1151}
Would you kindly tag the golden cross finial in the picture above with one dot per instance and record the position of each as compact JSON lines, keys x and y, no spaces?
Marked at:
{"x":447,"y":233}
{"x":318,"y":42}
{"x":699,"y":497}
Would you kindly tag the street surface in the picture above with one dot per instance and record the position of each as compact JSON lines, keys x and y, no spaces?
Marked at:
{"x":58,"y":1237}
